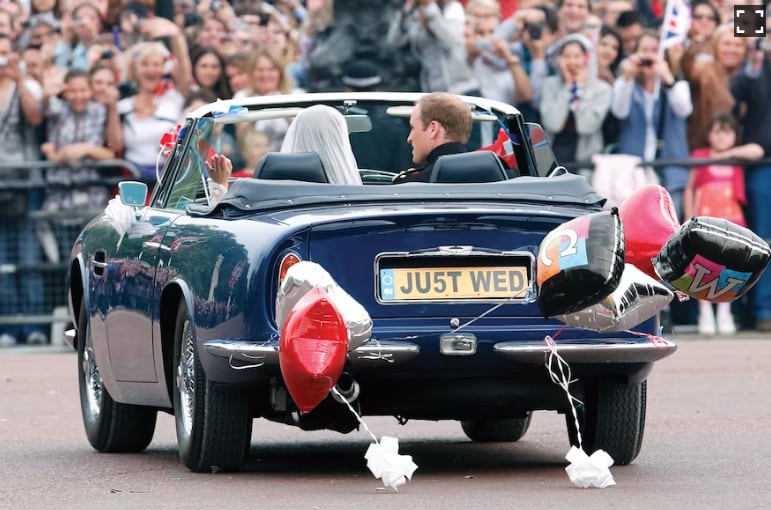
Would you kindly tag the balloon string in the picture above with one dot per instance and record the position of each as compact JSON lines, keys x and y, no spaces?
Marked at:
{"x":658,"y":342}
{"x":341,"y":398}
{"x":563,"y":379}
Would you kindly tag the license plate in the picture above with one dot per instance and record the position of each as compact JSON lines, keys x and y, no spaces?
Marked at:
{"x":453,"y":283}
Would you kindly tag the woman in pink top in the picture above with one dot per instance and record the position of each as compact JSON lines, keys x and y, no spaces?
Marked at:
{"x":717,"y":190}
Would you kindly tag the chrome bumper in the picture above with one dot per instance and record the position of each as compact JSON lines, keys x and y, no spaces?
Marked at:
{"x":372,"y":353}
{"x":589,"y":353}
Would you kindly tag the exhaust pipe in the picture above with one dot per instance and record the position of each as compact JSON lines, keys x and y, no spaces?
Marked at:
{"x":347,"y":387}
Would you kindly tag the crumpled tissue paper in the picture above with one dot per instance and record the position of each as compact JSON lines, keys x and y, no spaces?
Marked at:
{"x":384,"y":461}
{"x":585,"y":471}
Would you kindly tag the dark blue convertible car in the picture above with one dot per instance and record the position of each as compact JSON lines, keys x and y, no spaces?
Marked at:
{"x":175,"y":301}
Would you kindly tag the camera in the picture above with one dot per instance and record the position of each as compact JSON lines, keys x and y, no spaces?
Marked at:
{"x":534,"y":30}
{"x":127,"y":89}
{"x":483,"y":44}
{"x":3,"y":62}
{"x":193,"y":19}
{"x":646,"y":62}
{"x":107,"y":55}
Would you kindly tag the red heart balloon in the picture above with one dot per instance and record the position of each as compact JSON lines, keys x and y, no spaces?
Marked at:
{"x":312,"y":349}
{"x":649,"y":219}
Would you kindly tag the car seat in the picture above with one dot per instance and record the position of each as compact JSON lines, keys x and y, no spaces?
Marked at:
{"x":468,"y":167}
{"x":296,"y":166}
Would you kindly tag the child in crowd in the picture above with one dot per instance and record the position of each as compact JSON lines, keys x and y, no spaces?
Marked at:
{"x":717,"y":190}
{"x":254,"y":145}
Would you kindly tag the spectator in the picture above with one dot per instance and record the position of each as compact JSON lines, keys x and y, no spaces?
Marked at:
{"x":574,"y":103}
{"x":652,"y":122}
{"x":536,"y":30}
{"x":105,"y":91}
{"x":237,"y":72}
{"x":87,"y":24}
{"x":153,"y":110}
{"x":209,"y":72}
{"x":629,"y":26}
{"x":499,"y":72}
{"x":718,"y":190}
{"x":32,"y":58}
{"x":267,"y":76}
{"x":76,"y":134}
{"x":751,"y":90}
{"x":254,"y":145}
{"x":20,"y":107}
{"x":572,"y":15}
{"x":437,"y":42}
{"x":705,"y":18}
{"x":710,"y":83}
{"x":42,"y":29}
{"x":609,"y":54}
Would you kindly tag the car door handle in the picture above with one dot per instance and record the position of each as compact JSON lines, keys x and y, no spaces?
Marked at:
{"x":100,"y":262}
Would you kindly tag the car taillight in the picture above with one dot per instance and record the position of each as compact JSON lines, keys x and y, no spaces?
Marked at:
{"x":288,"y":261}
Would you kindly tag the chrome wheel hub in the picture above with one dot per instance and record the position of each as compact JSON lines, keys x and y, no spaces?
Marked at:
{"x":186,"y":378}
{"x":92,"y":379}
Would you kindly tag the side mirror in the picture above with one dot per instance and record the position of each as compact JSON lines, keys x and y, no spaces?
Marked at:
{"x":132,"y":193}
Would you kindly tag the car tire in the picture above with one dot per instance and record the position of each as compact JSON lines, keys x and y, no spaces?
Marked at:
{"x":496,"y":431}
{"x":110,"y":426}
{"x":212,"y":422}
{"x":611,"y":419}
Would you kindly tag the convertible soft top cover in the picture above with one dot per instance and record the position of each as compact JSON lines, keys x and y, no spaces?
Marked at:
{"x":254,"y":195}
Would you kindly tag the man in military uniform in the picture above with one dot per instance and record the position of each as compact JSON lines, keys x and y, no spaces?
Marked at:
{"x":440,"y":124}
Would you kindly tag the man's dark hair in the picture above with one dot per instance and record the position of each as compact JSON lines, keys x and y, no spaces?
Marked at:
{"x":75,"y":73}
{"x":628,"y":18}
{"x":551,"y":20}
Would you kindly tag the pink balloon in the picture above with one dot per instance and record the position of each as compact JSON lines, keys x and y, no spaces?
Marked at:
{"x":649,"y":219}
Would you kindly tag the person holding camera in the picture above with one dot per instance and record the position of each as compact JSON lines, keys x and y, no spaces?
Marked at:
{"x":499,"y":72}
{"x":20,"y":112}
{"x":432,"y":30}
{"x":652,"y":108}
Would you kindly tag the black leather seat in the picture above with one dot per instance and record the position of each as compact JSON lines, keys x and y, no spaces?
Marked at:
{"x":298,"y":166}
{"x":477,"y":166}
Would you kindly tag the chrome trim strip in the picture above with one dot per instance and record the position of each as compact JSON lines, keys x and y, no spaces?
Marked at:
{"x":383,"y":353}
{"x":595,"y":353}
{"x":443,"y":253}
{"x":250,"y":352}
{"x":371,"y":353}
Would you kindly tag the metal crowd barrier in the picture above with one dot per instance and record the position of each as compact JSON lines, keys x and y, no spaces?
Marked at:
{"x":35,"y":247}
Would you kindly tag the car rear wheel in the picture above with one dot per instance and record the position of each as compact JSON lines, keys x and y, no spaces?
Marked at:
{"x":612,"y":419}
{"x":110,"y":426}
{"x":212,"y":421}
{"x":496,"y":431}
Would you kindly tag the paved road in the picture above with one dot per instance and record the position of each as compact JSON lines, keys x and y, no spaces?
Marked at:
{"x":706,"y":446}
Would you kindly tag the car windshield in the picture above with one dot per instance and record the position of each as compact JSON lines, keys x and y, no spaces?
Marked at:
{"x":377,"y":131}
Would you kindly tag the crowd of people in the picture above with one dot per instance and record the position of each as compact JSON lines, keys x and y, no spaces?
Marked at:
{"x":87,"y":81}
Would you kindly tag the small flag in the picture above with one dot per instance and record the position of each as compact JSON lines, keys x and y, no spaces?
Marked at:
{"x":677,"y":23}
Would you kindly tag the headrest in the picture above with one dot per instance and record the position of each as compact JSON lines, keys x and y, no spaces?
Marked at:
{"x":477,"y":166}
{"x":296,"y":166}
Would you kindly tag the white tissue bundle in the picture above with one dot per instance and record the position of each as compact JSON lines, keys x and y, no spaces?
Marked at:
{"x":384,"y":461}
{"x":587,"y":471}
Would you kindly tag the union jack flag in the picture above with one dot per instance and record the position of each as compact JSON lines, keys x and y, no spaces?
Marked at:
{"x":677,"y":22}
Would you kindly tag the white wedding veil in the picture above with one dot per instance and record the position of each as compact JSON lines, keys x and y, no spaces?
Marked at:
{"x":322,"y":129}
